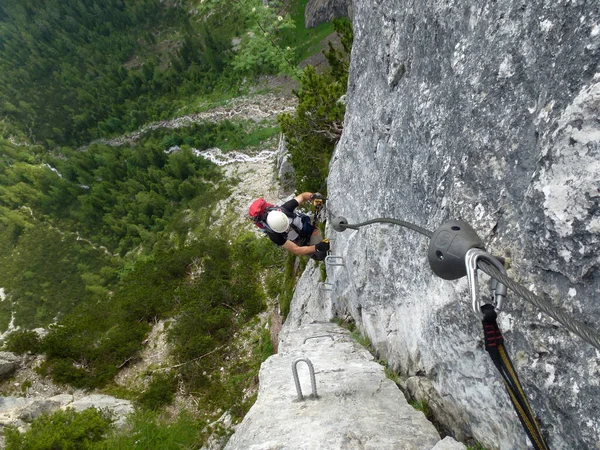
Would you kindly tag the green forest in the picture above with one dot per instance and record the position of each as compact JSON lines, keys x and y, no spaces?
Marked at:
{"x":99,"y":242}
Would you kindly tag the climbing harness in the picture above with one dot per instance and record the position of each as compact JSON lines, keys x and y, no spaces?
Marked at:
{"x":454,"y":251}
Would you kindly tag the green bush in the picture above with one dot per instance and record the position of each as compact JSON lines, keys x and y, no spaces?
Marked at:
{"x":63,"y":430}
{"x":23,"y":341}
{"x":147,"y":431}
{"x":88,"y":347}
{"x":159,"y":393}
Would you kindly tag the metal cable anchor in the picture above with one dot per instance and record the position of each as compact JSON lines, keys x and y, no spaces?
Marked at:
{"x":319,"y":336}
{"x":334,"y":260}
{"x":498,"y":289}
{"x":326,"y":287}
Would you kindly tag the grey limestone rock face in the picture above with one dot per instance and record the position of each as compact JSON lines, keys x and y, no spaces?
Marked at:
{"x":285,"y":170}
{"x":422,"y":389}
{"x":38,"y":407}
{"x":449,"y":444}
{"x":485,"y":112}
{"x":321,"y":11}
{"x":119,"y":408}
{"x":311,"y":303}
{"x":9,"y":362}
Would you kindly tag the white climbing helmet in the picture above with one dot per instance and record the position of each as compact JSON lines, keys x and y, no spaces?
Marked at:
{"x":278,"y":221}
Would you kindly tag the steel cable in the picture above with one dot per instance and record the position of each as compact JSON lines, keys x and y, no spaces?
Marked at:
{"x":583,"y":331}
{"x":402,"y":223}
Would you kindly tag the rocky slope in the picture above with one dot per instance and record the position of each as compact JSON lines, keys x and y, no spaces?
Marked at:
{"x":256,"y":108}
{"x":320,"y":11}
{"x":27,"y":395}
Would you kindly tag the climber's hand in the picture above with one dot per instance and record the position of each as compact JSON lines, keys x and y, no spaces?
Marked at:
{"x":323,"y":246}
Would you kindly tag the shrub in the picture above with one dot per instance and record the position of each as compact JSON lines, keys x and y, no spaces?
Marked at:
{"x":148,"y":431}
{"x":23,"y":341}
{"x":63,"y":430}
{"x":159,"y":393}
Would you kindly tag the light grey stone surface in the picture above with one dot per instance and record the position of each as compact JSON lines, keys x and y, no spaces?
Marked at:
{"x":62,"y":399}
{"x":10,"y":403}
{"x":285,"y":171}
{"x":485,"y":112}
{"x":15,"y":411}
{"x":357,"y":406}
{"x":100,"y":401}
{"x":321,"y":11}
{"x":9,"y":362}
{"x":449,"y":444}
{"x":38,"y":407}
{"x":119,"y":408}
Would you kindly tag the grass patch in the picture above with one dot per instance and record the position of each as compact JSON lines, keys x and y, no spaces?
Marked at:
{"x":258,"y":136}
{"x":202,"y":102}
{"x":389,"y":373}
{"x":306,"y":40}
{"x":476,"y":446}
{"x":344,"y":323}
{"x":361,"y":339}
{"x":160,"y":392}
{"x":264,"y":346}
{"x":61,"y":430}
{"x":322,"y":272}
{"x":421,"y":405}
{"x":226,"y":135}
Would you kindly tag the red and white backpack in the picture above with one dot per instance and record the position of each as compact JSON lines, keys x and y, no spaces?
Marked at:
{"x":258,"y":213}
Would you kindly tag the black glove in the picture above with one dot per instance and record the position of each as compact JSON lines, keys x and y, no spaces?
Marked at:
{"x":322,"y":246}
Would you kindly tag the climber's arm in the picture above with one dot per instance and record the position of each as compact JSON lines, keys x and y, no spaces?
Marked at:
{"x":297,"y":250}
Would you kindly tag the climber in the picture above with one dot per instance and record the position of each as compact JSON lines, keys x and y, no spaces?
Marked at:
{"x":290,"y":229}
